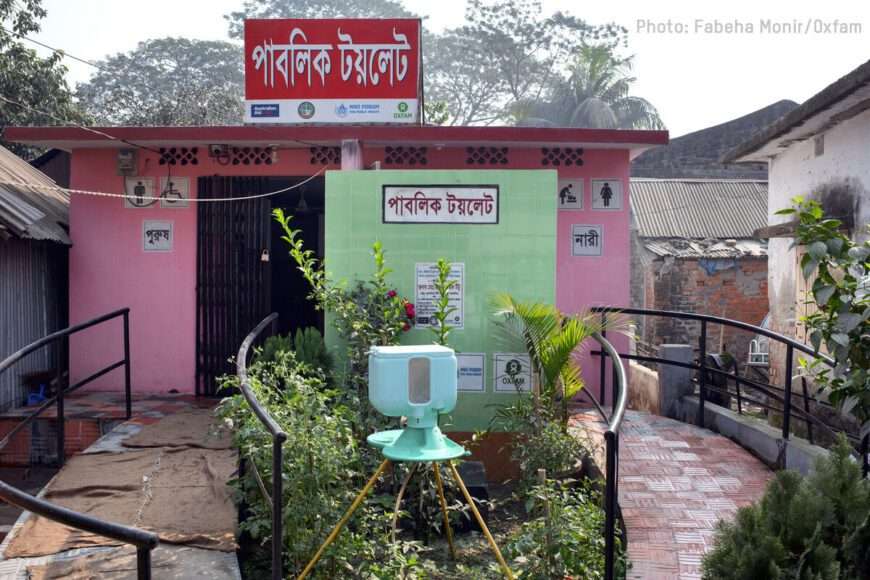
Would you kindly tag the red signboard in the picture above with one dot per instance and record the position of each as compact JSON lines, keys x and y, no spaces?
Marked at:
{"x":332,"y":71}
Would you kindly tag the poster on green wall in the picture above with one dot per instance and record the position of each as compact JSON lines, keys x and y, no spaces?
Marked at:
{"x":514,"y":253}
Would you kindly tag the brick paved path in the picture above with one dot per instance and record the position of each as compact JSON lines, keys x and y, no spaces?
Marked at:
{"x":675,"y":482}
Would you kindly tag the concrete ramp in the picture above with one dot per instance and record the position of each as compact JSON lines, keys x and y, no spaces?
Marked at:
{"x":675,"y":482}
{"x":171,"y":479}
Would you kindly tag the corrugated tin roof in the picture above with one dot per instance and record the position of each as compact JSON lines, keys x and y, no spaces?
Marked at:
{"x":35,"y":209}
{"x":698,"y":208}
{"x":689,"y":249}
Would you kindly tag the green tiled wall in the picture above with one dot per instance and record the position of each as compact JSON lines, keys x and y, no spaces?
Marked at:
{"x":518,"y":256}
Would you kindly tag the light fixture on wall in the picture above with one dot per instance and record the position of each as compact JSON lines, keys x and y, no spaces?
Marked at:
{"x":302,"y":206}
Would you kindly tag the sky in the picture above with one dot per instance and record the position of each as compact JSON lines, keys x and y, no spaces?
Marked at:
{"x":700,"y":63}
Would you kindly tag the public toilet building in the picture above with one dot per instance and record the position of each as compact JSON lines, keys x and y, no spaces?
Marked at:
{"x":540,"y":213}
{"x":175,"y":222}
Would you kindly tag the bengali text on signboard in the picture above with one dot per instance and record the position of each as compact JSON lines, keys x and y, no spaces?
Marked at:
{"x":440,"y":204}
{"x":332,"y":70}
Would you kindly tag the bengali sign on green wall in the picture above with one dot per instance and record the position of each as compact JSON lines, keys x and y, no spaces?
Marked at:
{"x":498,"y":230}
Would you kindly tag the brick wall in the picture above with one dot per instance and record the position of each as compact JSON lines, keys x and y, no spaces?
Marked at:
{"x":731,"y":288}
{"x":37,"y":443}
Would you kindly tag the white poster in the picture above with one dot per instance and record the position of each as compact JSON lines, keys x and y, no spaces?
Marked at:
{"x":472,"y":376}
{"x":570,"y":194}
{"x":440,"y":204}
{"x":607,"y":194}
{"x":513,"y":372}
{"x":587,"y":240}
{"x":157,"y":236}
{"x":174,"y":191}
{"x":426,"y":295}
{"x":139,"y":192}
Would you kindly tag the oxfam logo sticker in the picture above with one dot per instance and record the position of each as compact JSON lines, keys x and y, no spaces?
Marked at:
{"x":402,"y":111}
{"x":306,"y":109}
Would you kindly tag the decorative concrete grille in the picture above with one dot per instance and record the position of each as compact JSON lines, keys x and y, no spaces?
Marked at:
{"x":486,"y":156}
{"x":567,"y":156}
{"x":405,"y":156}
{"x":253,"y":155}
{"x":325,"y":155}
{"x":179,"y":156}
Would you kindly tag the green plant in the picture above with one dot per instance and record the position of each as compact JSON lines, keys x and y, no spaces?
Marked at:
{"x":311,"y":350}
{"x":273,"y":346}
{"x":443,"y":310}
{"x":803,"y":527}
{"x":323,"y":468}
{"x":566,"y":537}
{"x":540,"y":442}
{"x":367,"y":313}
{"x":842,"y":321}
{"x":551,"y":339}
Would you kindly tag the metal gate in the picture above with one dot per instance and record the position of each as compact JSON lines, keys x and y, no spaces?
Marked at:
{"x":233,"y":291}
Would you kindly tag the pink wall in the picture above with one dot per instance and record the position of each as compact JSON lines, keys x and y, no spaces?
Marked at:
{"x":109,"y":270}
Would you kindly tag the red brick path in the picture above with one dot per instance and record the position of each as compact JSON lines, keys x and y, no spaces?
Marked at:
{"x":675,"y":482}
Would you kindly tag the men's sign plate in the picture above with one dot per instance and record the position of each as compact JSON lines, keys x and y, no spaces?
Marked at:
{"x":440,"y":204}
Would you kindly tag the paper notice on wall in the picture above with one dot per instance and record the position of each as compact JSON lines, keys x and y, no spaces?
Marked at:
{"x":472,"y":376}
{"x":426,"y":295}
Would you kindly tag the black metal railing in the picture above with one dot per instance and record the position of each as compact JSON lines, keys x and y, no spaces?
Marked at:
{"x":613,"y":420}
{"x":744,"y":387}
{"x":61,"y":338}
{"x":142,"y":540}
{"x":275,"y":500}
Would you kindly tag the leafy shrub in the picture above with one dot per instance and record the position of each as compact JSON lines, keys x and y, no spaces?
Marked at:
{"x":540,"y":442}
{"x":274,"y":345}
{"x":311,"y":350}
{"x":813,"y":527}
{"x":566,"y":538}
{"x":369,"y":312}
{"x":841,"y":290}
{"x":324,"y":467}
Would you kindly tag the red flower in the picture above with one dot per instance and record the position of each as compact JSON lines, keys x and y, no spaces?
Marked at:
{"x":406,"y":327}
{"x":409,"y":309}
{"x":391,"y":294}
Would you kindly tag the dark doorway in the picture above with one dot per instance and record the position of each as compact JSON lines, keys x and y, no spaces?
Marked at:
{"x":290,"y":290}
{"x":244,"y":270}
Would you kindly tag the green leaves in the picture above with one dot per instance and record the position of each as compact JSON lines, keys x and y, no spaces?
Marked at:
{"x":168,"y":81}
{"x":800,"y":527}
{"x":842,"y":272}
{"x":443,"y":310}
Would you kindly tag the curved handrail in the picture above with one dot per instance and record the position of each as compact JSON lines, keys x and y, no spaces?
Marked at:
{"x":719,"y":320}
{"x":244,"y":382}
{"x":68,"y":517}
{"x":144,"y":541}
{"x":615,"y":420}
{"x":21,"y":353}
{"x":278,"y":439}
{"x":611,"y":443}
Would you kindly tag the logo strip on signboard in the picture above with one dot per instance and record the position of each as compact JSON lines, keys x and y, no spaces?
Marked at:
{"x":440,"y":204}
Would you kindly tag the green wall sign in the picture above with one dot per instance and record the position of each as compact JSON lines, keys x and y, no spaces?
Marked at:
{"x":513,"y":251}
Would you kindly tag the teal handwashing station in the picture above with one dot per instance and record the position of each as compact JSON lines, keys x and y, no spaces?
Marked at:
{"x":417,"y":382}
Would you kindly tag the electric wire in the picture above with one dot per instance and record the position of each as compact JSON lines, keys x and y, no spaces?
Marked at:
{"x":77,"y":125}
{"x":68,"y":190}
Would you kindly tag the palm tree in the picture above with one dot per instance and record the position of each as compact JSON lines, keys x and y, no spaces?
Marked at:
{"x":595,"y":94}
{"x":551,"y":338}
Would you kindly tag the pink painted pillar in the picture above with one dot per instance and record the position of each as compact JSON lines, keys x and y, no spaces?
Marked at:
{"x":586,"y":281}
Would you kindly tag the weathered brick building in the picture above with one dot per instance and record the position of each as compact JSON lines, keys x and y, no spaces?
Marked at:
{"x":693,"y":251}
